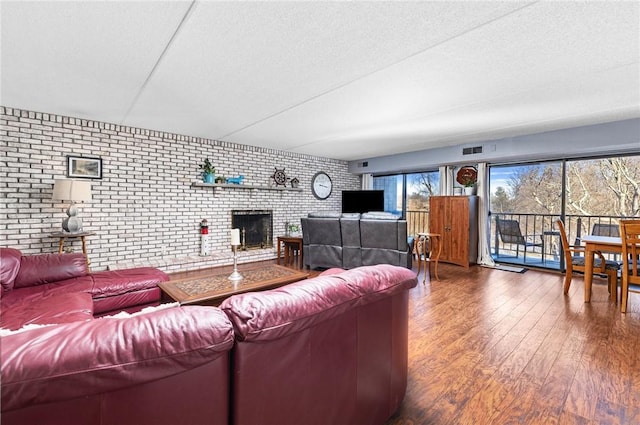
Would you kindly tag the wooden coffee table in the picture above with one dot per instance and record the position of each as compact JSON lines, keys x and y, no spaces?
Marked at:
{"x":215,"y":288}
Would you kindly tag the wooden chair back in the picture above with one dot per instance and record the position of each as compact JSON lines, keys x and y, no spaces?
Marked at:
{"x":630,"y":235}
{"x":575,"y":262}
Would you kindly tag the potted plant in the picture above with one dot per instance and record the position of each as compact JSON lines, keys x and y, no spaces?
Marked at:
{"x":293,"y":229}
{"x":469,"y":187}
{"x":207,"y":170}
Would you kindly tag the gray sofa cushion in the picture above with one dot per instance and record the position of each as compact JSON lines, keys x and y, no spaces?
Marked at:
{"x":379,"y":234}
{"x":350,"y":243}
{"x":322,"y":242}
{"x":351,"y":252}
{"x":324,"y":214}
{"x":380,"y":215}
{"x":352,"y":216}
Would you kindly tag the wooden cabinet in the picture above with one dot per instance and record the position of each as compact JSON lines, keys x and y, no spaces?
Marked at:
{"x":456,"y":219}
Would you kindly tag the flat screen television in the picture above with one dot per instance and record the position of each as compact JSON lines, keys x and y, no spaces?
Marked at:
{"x":361,"y":201}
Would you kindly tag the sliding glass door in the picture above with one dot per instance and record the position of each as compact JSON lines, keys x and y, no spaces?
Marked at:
{"x":525,"y":201}
{"x":590,"y":195}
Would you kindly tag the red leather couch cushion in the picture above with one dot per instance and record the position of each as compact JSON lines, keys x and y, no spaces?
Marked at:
{"x":116,"y":282}
{"x":46,"y":268}
{"x":63,"y":308}
{"x":268,"y":315}
{"x":29,"y":293}
{"x":63,"y":362}
{"x":9,"y":267}
{"x":110,"y":289}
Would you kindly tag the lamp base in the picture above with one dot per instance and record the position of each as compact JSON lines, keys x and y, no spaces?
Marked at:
{"x":72,"y":223}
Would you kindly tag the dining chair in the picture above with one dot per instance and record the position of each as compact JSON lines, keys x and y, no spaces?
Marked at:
{"x":510,"y":233}
{"x":630,"y":236}
{"x":575,"y":262}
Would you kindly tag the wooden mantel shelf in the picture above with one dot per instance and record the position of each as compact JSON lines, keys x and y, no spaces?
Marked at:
{"x":217,"y":186}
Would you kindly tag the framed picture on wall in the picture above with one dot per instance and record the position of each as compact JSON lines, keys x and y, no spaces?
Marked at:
{"x":84,"y":168}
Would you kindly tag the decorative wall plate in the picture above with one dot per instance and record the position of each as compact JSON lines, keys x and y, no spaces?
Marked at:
{"x":467,"y":174}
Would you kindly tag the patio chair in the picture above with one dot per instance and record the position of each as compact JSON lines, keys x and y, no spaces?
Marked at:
{"x":612,"y":230}
{"x":601,"y":229}
{"x":509,"y":231}
{"x":630,"y":235}
{"x":575,"y":262}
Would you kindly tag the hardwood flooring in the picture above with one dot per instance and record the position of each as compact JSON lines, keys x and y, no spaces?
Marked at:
{"x":494,"y":347}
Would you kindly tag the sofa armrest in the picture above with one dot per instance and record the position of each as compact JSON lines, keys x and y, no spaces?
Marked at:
{"x":48,"y":268}
{"x":63,"y":362}
{"x":9,"y":267}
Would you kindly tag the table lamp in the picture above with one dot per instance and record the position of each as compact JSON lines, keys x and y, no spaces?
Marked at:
{"x":73,"y":191}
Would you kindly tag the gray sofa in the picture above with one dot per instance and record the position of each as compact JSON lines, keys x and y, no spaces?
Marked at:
{"x":331,"y":239}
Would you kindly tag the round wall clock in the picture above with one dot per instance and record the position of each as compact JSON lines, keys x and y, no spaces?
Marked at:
{"x":321,"y":185}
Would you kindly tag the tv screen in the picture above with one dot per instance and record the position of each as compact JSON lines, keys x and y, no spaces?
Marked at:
{"x":362,"y":201}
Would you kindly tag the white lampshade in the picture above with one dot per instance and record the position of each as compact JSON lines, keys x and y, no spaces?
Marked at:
{"x":71,"y":190}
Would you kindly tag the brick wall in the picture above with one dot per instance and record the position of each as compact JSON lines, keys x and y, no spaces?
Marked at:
{"x":145,"y":209}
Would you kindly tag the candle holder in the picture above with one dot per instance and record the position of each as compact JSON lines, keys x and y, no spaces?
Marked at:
{"x":235,"y":276}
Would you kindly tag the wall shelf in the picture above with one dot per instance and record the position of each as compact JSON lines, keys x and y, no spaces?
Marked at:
{"x":218,"y":186}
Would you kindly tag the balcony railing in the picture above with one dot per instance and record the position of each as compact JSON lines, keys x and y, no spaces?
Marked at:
{"x":539,"y":230}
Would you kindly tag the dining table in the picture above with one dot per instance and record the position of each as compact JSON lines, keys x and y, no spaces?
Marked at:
{"x":592,"y":244}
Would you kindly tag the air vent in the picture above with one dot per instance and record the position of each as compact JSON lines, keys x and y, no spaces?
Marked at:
{"x":472,"y":150}
{"x":363,"y":164}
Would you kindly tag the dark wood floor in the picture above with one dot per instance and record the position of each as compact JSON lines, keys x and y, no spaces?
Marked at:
{"x":495,"y":347}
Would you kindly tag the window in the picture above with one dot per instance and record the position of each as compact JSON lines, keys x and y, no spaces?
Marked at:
{"x":408,"y":195}
{"x":393,"y":187}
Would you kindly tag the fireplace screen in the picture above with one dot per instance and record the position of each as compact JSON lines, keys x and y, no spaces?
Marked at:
{"x":256,"y":228}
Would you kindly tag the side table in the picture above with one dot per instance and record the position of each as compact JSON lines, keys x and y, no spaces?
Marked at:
{"x":67,"y":235}
{"x":292,"y":245}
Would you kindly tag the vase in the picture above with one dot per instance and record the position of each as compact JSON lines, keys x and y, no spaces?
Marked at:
{"x":208,"y":177}
{"x":469,"y":190}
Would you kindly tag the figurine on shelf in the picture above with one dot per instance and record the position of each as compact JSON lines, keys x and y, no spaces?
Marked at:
{"x":235,"y":180}
{"x":295,"y":182}
{"x":280,"y":177}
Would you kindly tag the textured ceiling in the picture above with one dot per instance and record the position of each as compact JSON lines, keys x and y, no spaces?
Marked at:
{"x":346,"y":80}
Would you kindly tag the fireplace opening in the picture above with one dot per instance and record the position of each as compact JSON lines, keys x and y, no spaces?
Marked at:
{"x":256,"y":228}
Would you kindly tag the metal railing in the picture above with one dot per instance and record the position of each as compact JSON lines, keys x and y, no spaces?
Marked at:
{"x":541,"y":234}
{"x":539,"y":230}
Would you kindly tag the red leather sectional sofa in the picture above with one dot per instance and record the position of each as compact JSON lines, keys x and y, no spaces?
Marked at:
{"x":332,"y":349}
